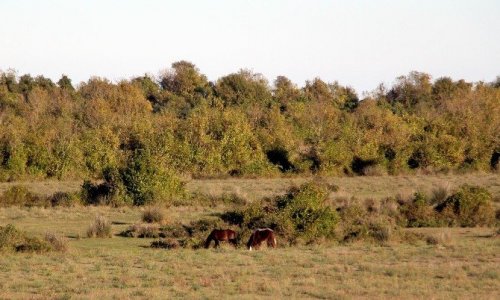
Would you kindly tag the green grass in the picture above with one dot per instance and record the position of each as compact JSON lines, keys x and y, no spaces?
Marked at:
{"x":463,"y":264}
{"x":464,"y":267}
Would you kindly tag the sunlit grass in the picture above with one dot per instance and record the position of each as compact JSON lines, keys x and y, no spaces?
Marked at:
{"x":463,"y":263}
{"x":126,"y":267}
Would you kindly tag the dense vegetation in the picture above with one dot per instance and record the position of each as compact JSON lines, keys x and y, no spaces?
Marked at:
{"x":180,"y":124}
{"x":307,"y":214}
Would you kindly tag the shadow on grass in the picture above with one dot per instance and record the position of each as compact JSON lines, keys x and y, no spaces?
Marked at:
{"x":120,"y":223}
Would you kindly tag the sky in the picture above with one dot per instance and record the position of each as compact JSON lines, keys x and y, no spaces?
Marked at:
{"x":359,"y":43}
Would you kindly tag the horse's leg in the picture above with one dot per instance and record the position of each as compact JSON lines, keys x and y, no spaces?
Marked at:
{"x":208,"y":241}
{"x":257,"y":246}
{"x":217,"y":243}
{"x":233,"y":241}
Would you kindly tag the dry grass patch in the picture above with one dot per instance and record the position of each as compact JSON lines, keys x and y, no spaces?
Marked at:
{"x":142,"y":231}
{"x":154,"y":214}
{"x":58,"y":242}
{"x":100,"y":228}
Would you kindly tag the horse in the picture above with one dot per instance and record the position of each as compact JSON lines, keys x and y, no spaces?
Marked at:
{"x":219,"y":235}
{"x":260,"y":235}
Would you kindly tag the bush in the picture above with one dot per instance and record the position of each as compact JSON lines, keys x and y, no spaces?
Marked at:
{"x":301,"y":214}
{"x":166,"y":244}
{"x":147,"y":182}
{"x":101,"y":228}
{"x":14,"y":240}
{"x":470,"y":206}
{"x":440,"y":194}
{"x":153,"y":214}
{"x":65,"y":199}
{"x":142,"y":181}
{"x":33,"y":244}
{"x":419,"y":213}
{"x":142,"y":231}
{"x":19,"y":195}
{"x":357,"y":223}
{"x":441,"y":238}
{"x":110,"y":192}
{"x":58,"y":242}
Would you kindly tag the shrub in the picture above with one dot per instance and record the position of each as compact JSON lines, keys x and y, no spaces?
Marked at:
{"x":471,"y":206}
{"x":377,"y":230}
{"x":174,"y":231}
{"x":358,"y":223}
{"x":101,"y":228}
{"x":142,"y":231}
{"x":19,"y":195}
{"x":58,"y":242}
{"x":110,"y":192}
{"x":65,"y":199}
{"x":33,"y":244}
{"x":166,"y":244}
{"x":440,"y":194}
{"x":142,"y":181}
{"x":153,"y":214}
{"x":147,"y":182}
{"x":441,"y":238}
{"x":418,"y":212}
{"x":202,"y":226}
{"x":9,"y":237}
{"x":14,"y":240}
{"x":301,"y":214}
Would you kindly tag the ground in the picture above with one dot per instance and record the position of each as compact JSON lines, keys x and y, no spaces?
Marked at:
{"x":465,"y":265}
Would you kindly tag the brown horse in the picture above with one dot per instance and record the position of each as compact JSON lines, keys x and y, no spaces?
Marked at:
{"x":220,"y":235}
{"x":260,"y":235}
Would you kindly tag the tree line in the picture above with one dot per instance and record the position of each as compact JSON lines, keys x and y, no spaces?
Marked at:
{"x":181,"y":124}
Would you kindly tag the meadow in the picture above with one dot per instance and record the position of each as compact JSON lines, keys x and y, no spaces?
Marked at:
{"x":463,"y":263}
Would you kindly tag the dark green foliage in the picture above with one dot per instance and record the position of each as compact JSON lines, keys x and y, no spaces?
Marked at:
{"x":468,"y":207}
{"x":300,"y":214}
{"x":471,"y":206}
{"x":147,"y":183}
{"x":243,"y":88}
{"x":143,"y":181}
{"x":65,"y":83}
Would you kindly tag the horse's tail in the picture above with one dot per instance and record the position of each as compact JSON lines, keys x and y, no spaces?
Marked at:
{"x":250,"y":241}
{"x":271,"y":240}
{"x":209,"y":239}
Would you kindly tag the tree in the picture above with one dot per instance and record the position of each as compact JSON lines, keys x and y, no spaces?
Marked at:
{"x":65,"y":83}
{"x":243,"y":88}
{"x":184,"y":79}
{"x":411,"y":90}
{"x":285,"y":91}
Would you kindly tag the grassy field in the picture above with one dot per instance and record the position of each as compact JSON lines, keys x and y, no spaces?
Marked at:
{"x":252,"y":189}
{"x":465,"y":264}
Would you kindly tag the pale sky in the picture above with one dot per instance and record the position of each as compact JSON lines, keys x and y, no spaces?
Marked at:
{"x":360,"y":43}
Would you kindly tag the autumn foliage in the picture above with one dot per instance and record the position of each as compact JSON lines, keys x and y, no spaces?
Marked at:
{"x":180,"y":124}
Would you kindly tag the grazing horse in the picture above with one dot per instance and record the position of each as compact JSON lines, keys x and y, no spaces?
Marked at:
{"x":260,"y":235}
{"x":219,"y":235}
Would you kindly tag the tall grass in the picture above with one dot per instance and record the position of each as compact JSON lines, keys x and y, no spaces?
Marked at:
{"x":100,"y":228}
